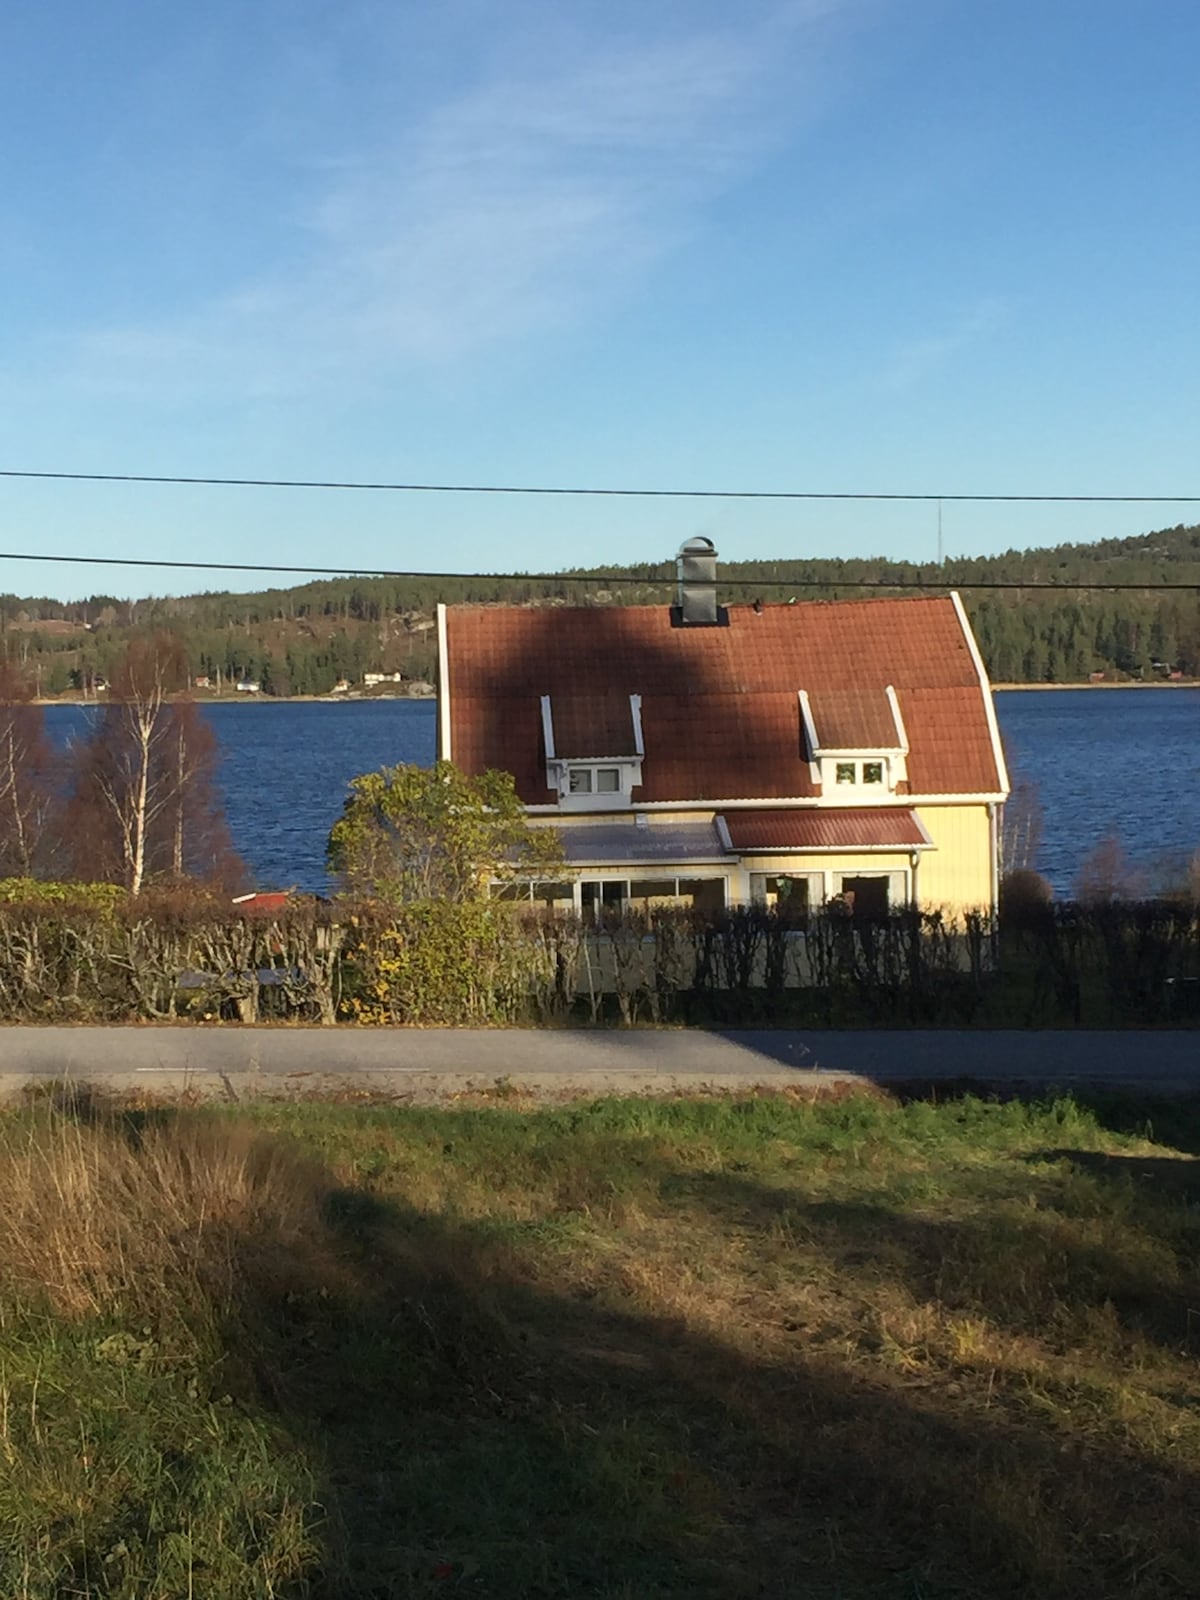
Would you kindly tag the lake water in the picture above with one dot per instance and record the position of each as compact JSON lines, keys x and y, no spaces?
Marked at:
{"x":1124,"y":761}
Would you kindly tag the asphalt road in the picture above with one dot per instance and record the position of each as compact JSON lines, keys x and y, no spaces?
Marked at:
{"x":239,"y":1062}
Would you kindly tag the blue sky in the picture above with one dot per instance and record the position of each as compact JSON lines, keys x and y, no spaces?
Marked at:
{"x":927,"y":245}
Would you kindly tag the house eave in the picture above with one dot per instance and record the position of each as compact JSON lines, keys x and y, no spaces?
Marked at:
{"x":894,"y":849}
{"x":805,"y":802}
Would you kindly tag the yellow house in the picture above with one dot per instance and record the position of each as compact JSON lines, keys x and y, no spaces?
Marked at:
{"x":710,"y":756}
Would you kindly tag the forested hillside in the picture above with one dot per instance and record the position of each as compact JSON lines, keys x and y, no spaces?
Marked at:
{"x":305,"y":639}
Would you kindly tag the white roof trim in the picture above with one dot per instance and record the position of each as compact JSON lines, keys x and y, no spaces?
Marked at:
{"x":548,"y":727}
{"x":444,"y":752}
{"x":810,"y":734}
{"x":635,"y":711}
{"x":988,"y":702}
{"x":830,"y":849}
{"x":786,"y":802}
{"x":897,"y":718}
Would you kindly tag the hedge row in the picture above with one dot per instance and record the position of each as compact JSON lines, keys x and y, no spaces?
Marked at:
{"x":70,"y":958}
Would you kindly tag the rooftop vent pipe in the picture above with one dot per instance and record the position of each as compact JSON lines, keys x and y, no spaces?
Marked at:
{"x":696,"y":569}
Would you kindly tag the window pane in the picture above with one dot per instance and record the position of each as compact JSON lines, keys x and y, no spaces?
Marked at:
{"x":872,"y":771}
{"x":866,"y":895}
{"x":704,"y":894}
{"x":602,"y":897}
{"x":581,"y":780}
{"x":643,"y":891}
{"x":608,"y":780}
{"x":791,"y":892}
{"x":558,"y":895}
{"x":845,"y":772}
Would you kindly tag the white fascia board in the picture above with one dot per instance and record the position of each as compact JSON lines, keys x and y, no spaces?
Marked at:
{"x":832,"y":849}
{"x":810,"y":733}
{"x":723,"y":834}
{"x":548,"y":727}
{"x":644,"y":868}
{"x":835,"y":753}
{"x":986,"y":690}
{"x":635,"y":711}
{"x":600,"y":761}
{"x":444,"y":751}
{"x":799,"y":803}
{"x":897,"y":718}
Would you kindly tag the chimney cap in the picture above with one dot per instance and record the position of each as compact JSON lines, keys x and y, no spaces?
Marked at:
{"x":696,"y":605}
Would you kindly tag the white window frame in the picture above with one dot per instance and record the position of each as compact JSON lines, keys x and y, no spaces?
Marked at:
{"x":670,"y":885}
{"x":621,"y":774}
{"x":817,"y":887}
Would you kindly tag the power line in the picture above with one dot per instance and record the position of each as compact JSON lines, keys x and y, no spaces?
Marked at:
{"x":599,"y":579}
{"x":562,"y":489}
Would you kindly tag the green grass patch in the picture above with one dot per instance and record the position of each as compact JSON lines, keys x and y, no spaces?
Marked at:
{"x":849,"y":1348}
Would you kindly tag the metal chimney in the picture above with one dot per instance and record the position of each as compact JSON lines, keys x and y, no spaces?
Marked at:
{"x":696,"y":569}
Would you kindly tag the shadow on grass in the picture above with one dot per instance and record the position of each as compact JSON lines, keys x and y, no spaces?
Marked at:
{"x":484,"y":1425}
{"x":1172,"y":1179}
{"x":481,"y":1434}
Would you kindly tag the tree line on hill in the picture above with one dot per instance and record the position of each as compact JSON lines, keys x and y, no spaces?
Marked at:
{"x":305,"y":639}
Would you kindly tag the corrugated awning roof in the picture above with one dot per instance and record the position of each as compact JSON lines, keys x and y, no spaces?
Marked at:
{"x":829,"y":828}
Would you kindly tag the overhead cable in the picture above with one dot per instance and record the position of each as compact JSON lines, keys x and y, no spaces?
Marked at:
{"x":938,"y":580}
{"x":563,"y":489}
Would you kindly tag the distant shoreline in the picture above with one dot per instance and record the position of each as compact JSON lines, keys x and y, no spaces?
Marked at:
{"x":1190,"y":683}
{"x":262,"y":700}
{"x":426,"y":699}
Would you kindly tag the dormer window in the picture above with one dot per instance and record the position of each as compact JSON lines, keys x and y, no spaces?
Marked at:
{"x":855,"y":740}
{"x":593,"y":780}
{"x":594,"y":749}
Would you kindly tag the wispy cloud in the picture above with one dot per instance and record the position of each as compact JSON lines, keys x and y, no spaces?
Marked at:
{"x":514,"y":207}
{"x":914,"y":360}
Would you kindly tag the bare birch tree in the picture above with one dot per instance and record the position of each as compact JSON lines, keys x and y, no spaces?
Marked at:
{"x":145,"y":803}
{"x":28,"y":791}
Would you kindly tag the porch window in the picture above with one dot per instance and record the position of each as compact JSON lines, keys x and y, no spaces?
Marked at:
{"x":603,"y":897}
{"x":872,"y":894}
{"x":554,"y":896}
{"x":791,"y":895}
{"x":599,"y":898}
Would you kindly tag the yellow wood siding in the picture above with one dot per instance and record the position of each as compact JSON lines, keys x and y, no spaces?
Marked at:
{"x":957,"y":875}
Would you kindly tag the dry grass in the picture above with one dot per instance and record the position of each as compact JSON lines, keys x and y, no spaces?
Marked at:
{"x":754,"y":1347}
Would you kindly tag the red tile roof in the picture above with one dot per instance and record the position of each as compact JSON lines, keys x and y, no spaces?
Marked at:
{"x":830,"y":828}
{"x":720,"y":706}
{"x":853,"y":718}
{"x":592,"y":725}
